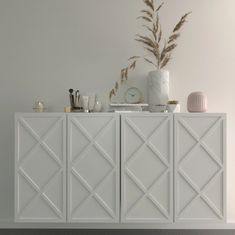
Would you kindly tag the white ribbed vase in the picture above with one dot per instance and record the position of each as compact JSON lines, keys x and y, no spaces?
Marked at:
{"x":158,"y":88}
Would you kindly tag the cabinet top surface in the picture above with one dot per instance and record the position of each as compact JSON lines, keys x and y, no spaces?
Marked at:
{"x":117,"y":113}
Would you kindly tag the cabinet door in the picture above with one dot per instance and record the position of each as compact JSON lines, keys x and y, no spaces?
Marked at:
{"x":200,"y":167}
{"x":93,"y":167}
{"x":40,"y":167}
{"x":147,"y":168}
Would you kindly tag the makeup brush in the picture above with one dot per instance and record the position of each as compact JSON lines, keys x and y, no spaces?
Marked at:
{"x":71,"y":97}
{"x":77,"y":97}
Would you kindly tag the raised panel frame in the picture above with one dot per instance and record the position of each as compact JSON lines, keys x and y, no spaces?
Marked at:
{"x":147,"y":191}
{"x":40,"y":141}
{"x":92,"y":190}
{"x":222,"y":215}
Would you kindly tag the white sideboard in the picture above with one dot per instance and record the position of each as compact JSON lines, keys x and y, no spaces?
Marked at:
{"x":120,"y":168}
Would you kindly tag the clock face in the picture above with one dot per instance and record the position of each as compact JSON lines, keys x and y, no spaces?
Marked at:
{"x":133,"y":96}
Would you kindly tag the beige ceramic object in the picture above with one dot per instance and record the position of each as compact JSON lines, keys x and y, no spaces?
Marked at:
{"x":197,"y":102}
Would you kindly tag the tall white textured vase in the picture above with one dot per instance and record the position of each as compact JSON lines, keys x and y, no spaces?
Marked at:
{"x":158,"y":88}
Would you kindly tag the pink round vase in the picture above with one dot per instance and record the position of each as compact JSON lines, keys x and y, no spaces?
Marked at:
{"x":197,"y":102}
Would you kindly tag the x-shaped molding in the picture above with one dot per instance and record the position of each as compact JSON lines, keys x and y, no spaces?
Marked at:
{"x":93,"y":192}
{"x":200,"y":192}
{"x":92,"y":142}
{"x":147,"y":190}
{"x":40,"y":141}
{"x":147,"y":193}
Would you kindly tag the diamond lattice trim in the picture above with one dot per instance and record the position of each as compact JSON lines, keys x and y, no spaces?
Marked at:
{"x":200,"y":191}
{"x":40,"y":190}
{"x":146,"y":190}
{"x":93,"y":143}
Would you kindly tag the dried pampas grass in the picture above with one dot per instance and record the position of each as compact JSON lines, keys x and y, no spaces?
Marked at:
{"x":159,"y":53}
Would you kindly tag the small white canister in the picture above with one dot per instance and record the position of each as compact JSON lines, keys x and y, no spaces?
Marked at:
{"x":173,"y":106}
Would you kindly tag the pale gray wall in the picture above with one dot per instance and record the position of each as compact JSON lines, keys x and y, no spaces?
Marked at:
{"x":48,"y":46}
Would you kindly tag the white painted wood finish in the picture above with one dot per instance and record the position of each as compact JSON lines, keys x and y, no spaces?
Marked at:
{"x":147,"y":168}
{"x":40,"y":168}
{"x":93,"y":168}
{"x":200,"y":168}
{"x":154,"y":149}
